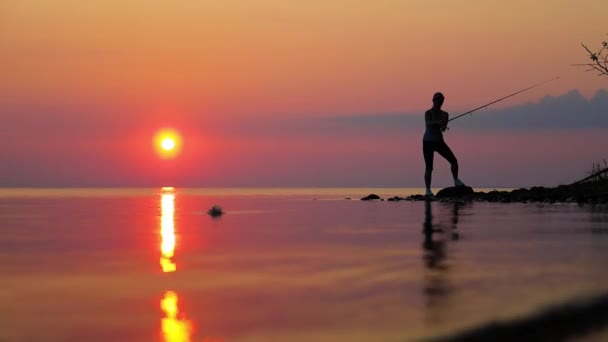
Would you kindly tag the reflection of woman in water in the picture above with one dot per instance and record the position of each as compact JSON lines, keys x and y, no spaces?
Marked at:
{"x":437,"y":122}
{"x":434,"y":249}
{"x":437,"y":287}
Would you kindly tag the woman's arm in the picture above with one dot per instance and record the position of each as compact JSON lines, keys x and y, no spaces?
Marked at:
{"x":431,"y":119}
{"x":444,"y":121}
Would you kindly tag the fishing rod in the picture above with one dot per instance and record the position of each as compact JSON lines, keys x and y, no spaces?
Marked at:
{"x":502,"y":98}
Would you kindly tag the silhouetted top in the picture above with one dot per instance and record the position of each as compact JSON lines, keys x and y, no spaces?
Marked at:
{"x":434,"y":130}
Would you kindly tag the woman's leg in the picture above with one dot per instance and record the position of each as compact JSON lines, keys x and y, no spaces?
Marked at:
{"x":444,"y":150}
{"x":428,"y":150}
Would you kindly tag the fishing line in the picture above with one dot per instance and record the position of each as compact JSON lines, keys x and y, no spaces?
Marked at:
{"x":502,"y":98}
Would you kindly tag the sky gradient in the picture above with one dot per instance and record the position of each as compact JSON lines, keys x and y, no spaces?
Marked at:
{"x":274,"y":93}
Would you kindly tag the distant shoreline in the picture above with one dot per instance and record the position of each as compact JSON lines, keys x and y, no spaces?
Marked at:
{"x":588,"y":193}
{"x":306,"y":192}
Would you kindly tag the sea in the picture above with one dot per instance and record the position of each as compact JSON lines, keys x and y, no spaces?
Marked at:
{"x":288,"y":264}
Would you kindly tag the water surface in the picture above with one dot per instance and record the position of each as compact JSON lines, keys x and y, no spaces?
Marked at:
{"x":282,"y":264}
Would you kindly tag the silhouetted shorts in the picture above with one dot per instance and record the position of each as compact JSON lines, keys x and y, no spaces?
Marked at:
{"x":430,"y":147}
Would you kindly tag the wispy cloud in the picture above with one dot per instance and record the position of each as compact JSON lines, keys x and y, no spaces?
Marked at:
{"x":568,"y":111}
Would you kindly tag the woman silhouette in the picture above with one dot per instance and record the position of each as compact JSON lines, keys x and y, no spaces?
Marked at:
{"x":436,"y":123}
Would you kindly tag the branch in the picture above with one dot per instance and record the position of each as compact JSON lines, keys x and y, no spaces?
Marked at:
{"x":599,"y":60}
{"x":591,"y":176}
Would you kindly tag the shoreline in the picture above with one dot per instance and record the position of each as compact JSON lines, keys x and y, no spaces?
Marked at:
{"x":580,"y":193}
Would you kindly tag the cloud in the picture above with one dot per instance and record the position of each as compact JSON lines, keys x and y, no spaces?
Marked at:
{"x":568,"y":111}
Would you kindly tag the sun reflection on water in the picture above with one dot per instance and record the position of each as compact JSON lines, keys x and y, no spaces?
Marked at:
{"x":167,"y":229}
{"x":173,"y":328}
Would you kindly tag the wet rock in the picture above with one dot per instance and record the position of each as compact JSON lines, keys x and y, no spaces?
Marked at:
{"x":396,"y":199}
{"x":371,"y":197}
{"x":583,"y":194}
{"x":456,"y":192}
{"x":520,"y":195}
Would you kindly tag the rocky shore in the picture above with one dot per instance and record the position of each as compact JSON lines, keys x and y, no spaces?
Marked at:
{"x":582,"y":193}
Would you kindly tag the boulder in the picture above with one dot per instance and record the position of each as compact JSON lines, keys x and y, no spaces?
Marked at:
{"x":456,"y":191}
{"x":415,"y":198}
{"x":371,"y":197}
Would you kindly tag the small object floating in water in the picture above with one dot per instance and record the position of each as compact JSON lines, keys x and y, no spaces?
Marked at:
{"x":371,"y":197}
{"x":215,"y":211}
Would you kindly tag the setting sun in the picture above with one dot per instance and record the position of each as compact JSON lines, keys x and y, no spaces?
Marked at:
{"x":167,"y":143}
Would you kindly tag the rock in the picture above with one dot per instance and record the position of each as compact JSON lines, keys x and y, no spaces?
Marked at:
{"x":396,"y":199}
{"x":456,"y":191}
{"x":581,"y":194}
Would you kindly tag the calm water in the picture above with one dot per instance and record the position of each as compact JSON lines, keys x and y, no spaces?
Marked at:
{"x":282,"y":264}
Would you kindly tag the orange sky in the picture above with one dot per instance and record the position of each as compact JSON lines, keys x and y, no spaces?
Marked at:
{"x":163,"y":63}
{"x":264,"y":57}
